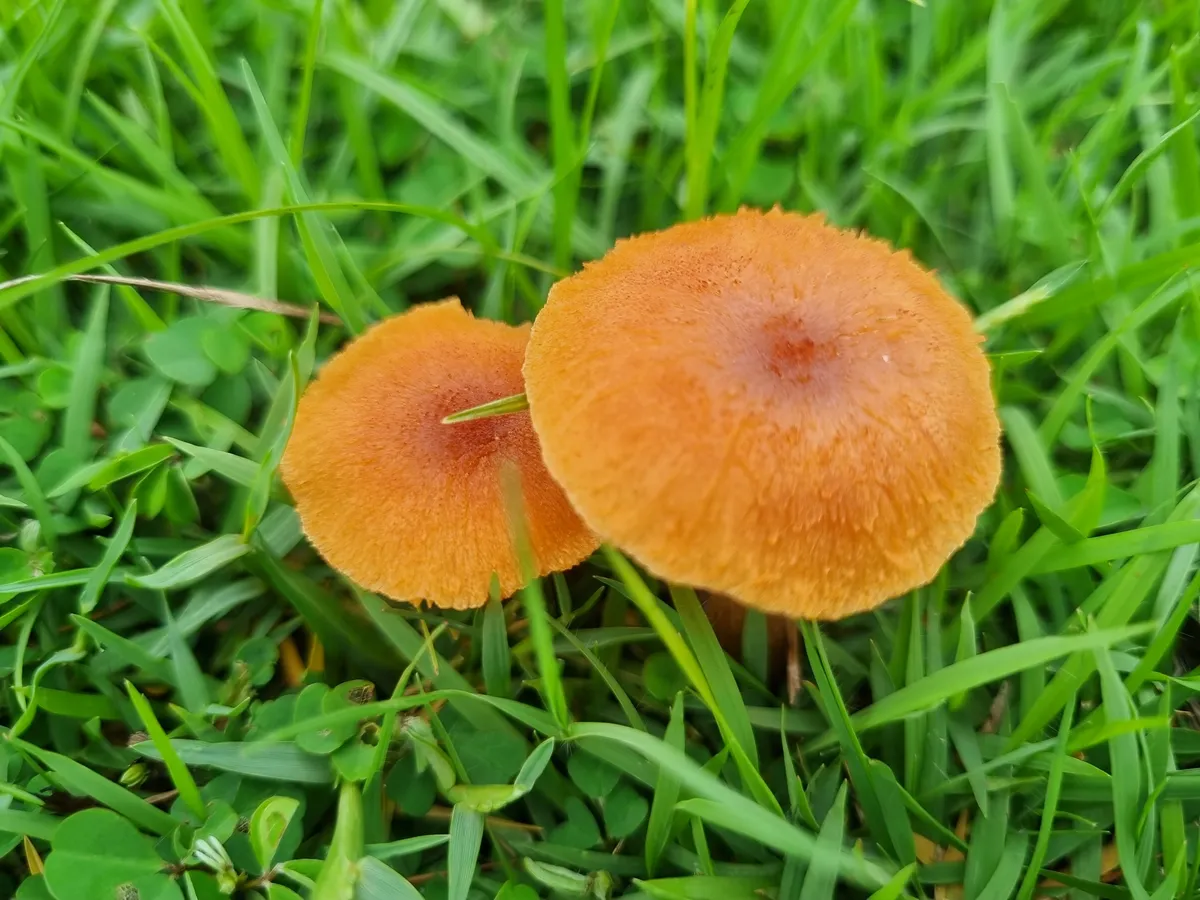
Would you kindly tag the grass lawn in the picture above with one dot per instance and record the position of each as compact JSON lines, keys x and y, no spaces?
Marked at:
{"x":193,"y":705}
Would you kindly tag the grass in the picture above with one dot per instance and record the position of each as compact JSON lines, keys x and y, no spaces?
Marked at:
{"x":1023,"y":727}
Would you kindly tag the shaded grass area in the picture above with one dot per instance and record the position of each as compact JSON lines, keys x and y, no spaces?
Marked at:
{"x":176,"y":661}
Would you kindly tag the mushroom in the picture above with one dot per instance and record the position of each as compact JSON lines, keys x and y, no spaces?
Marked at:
{"x":405,"y":505}
{"x":765,"y":406}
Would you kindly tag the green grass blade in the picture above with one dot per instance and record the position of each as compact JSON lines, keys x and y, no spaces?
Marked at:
{"x":466,"y":836}
{"x":1137,"y":542}
{"x":797,"y":798}
{"x":193,"y":689}
{"x":195,"y":564}
{"x":406,"y":846}
{"x":1164,"y":637}
{"x":28,"y":59}
{"x":1068,"y":398}
{"x":300,"y":116}
{"x":497,"y":657}
{"x":1054,"y":222}
{"x":651,"y":608}
{"x":35,"y":825}
{"x":892,"y":805}
{"x":895,"y":887}
{"x":820,"y":882}
{"x":223,"y":125}
{"x":147,"y":318}
{"x":1049,"y":805}
{"x":1031,"y":455}
{"x":412,"y":647}
{"x":993,"y":665}
{"x":33,"y":497}
{"x":966,"y":742}
{"x":320,"y":610}
{"x":16,"y":290}
{"x":281,"y":761}
{"x":712,"y":662}
{"x":843,"y":726}
{"x":484,"y":155}
{"x":1129,"y":588}
{"x":562,"y":131}
{"x":1011,"y":572}
{"x":85,"y":380}
{"x":1164,"y":463}
{"x":79,"y":778}
{"x":339,"y":872}
{"x":720,"y":804}
{"x":236,"y":469}
{"x":1128,"y":790}
{"x":100,"y":575}
{"x":618,"y":692}
{"x":1008,"y":868}
{"x":915,"y":727}
{"x":128,"y":651}
{"x":702,"y":140}
{"x":315,"y":234}
{"x":1143,"y":161}
{"x":502,"y":407}
{"x":534,"y":603}
{"x":189,"y":793}
{"x":666,"y":793}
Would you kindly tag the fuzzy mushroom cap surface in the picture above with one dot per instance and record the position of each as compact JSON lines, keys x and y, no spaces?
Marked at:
{"x":763,"y":405}
{"x":409,"y":507}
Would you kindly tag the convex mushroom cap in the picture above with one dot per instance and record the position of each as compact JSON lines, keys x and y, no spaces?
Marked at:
{"x":763,"y":405}
{"x":405,"y":505}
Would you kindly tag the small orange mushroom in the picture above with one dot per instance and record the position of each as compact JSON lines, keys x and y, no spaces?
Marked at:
{"x":765,"y":406}
{"x":410,"y":507}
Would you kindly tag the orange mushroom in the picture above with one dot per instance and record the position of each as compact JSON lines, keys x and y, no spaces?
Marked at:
{"x":405,"y":505}
{"x":766,"y":406}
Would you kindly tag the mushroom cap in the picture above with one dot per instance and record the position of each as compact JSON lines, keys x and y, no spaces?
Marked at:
{"x":405,"y":505}
{"x":766,"y":406}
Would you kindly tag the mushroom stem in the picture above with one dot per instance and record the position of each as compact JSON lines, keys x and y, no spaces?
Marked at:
{"x":502,"y":407}
{"x":728,"y":619}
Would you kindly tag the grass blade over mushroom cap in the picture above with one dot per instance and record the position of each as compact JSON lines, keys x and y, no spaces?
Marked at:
{"x":403,"y":504}
{"x":764,"y":405}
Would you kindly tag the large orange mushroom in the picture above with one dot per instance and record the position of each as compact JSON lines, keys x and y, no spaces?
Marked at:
{"x":410,"y":507}
{"x":766,"y":406}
